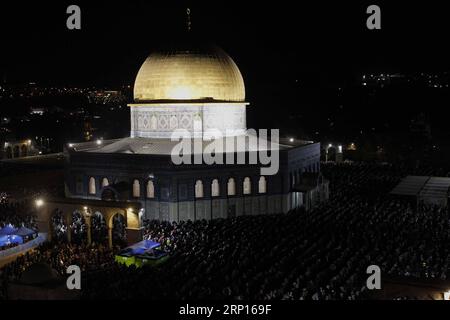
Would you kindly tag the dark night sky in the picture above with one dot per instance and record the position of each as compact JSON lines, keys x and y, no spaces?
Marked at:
{"x":322,"y":45}
{"x":269,"y":41}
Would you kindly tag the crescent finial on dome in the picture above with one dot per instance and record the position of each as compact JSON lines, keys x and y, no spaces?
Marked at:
{"x":188,"y":12}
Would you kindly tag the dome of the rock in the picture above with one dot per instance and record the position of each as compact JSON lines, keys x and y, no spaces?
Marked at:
{"x":200,"y":73}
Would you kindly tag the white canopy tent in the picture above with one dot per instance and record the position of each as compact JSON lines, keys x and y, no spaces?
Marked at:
{"x":427,"y":190}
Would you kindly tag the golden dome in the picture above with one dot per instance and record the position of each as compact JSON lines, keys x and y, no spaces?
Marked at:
{"x":200,"y":73}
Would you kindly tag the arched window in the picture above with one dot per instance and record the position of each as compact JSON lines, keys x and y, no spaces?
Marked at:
{"x":150,"y":190}
{"x":231,"y":187}
{"x":105,"y":182}
{"x":92,"y":189}
{"x":215,"y":189}
{"x":199,"y":189}
{"x":136,"y":188}
{"x":262,"y":185}
{"x":247,"y":187}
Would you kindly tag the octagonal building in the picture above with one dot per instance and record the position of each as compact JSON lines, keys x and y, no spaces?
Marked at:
{"x":197,"y":89}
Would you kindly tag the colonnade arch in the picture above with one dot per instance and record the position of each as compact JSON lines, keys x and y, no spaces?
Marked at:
{"x":91,"y":216}
{"x":117,"y":227}
{"x":99,"y":228}
{"x":78,"y":227}
{"x":17,"y":149}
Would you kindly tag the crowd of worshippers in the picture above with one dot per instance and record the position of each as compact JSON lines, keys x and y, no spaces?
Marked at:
{"x":59,"y":256}
{"x":79,"y":228}
{"x":18,"y":214}
{"x":320,"y":254}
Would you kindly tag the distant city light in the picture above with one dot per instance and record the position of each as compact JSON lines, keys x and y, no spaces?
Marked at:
{"x":70,"y":145}
{"x":447,"y":295}
{"x":99,"y":142}
{"x":39,"y":203}
{"x":291,"y":139}
{"x":340,"y":149}
{"x":330,"y":145}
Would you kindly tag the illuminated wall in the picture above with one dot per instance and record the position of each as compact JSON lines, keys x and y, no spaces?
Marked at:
{"x":160,"y":120}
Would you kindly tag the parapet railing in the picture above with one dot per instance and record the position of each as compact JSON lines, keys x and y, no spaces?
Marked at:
{"x":41,"y":238}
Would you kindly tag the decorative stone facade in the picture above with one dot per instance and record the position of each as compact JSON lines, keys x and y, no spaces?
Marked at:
{"x":160,"y":120}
